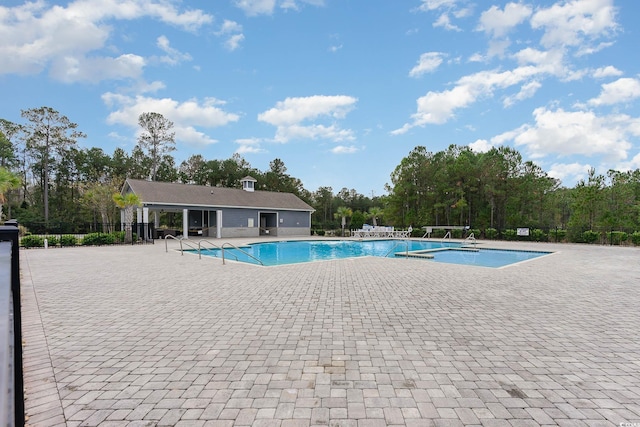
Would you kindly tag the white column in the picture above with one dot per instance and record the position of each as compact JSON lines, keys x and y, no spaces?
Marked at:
{"x":185,"y":223}
{"x":121,"y":219}
{"x":145,"y":221}
{"x":219,"y":224}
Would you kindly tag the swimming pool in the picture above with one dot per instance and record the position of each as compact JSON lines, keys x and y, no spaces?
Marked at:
{"x":293,"y":252}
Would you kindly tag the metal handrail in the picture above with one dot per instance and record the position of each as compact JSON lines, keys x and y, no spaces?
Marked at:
{"x":445,"y":237}
{"x":179,"y":240}
{"x":230,"y":245}
{"x":472,"y":239}
{"x":396,"y":245}
{"x":206,"y":241}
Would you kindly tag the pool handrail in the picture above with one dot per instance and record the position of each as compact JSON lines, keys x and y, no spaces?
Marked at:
{"x":232,"y":246}
{"x":206,"y":241}
{"x":398,"y":244}
{"x":179,"y":240}
{"x":447,"y":235}
{"x":471,"y":239}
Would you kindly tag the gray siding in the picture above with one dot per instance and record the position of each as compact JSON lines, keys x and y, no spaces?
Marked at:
{"x":291,"y":219}
{"x":238,"y":218}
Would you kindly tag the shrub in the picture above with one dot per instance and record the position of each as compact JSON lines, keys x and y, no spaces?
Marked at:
{"x":52,"y":241}
{"x":320,"y":232}
{"x":617,"y":237}
{"x":491,"y":233}
{"x":118,"y":236}
{"x":68,"y":240}
{"x":510,"y":234}
{"x":635,"y":238}
{"x":558,"y":235}
{"x":456,"y":233}
{"x":32,"y":242}
{"x":98,"y":239}
{"x":590,"y":236}
{"x":438,"y":233}
{"x":475,"y":232}
{"x":538,"y":235}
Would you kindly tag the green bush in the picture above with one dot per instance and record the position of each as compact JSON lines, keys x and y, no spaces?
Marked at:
{"x":538,"y":235}
{"x":32,"y":242}
{"x":456,"y":233}
{"x":635,"y":238}
{"x":68,"y":240}
{"x":558,"y":235}
{"x":98,"y":239}
{"x":438,"y":233}
{"x":52,"y":241}
{"x":491,"y":233}
{"x":510,"y":234}
{"x":320,"y":232}
{"x":590,"y":236}
{"x":475,"y":232}
{"x":617,"y":237}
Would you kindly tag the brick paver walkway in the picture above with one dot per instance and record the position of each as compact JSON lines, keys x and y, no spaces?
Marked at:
{"x":134,"y":336}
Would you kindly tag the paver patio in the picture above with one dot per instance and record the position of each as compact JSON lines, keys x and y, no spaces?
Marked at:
{"x":133,"y":336}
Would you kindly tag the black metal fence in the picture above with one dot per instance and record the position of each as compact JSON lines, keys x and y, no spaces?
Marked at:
{"x":600,"y":235}
{"x":11,"y":375}
{"x":58,"y":233}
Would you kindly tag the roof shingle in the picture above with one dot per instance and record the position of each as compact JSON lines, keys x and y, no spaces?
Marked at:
{"x":159,"y":193}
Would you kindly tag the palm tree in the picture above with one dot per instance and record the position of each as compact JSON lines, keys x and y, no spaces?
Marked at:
{"x":374,"y":213}
{"x":8,"y":181}
{"x":343,"y":212}
{"x":127,"y":202}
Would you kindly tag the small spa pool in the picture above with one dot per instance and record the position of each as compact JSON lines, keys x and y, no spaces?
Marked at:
{"x":299,"y":251}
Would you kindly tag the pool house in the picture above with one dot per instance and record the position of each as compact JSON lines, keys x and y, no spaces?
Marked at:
{"x":220,"y":212}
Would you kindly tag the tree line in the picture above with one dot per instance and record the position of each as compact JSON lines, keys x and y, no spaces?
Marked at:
{"x":47,"y":180}
{"x":497,"y":191}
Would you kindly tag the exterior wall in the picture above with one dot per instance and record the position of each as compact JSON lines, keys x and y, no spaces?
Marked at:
{"x":297,"y":231}
{"x":290,"y":223}
{"x":239,"y":218}
{"x":292,"y":219}
{"x":239,"y":232}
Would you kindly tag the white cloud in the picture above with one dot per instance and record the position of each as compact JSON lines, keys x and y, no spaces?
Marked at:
{"x":481,"y":146}
{"x":498,"y":23}
{"x":249,"y":146}
{"x":427,"y":63}
{"x":439,"y":107}
{"x":449,"y":7}
{"x":233,"y":32}
{"x":342,"y":149}
{"x":36,"y":37}
{"x":173,"y":56}
{"x":186,"y":116}
{"x":233,"y":42}
{"x":436,"y":4}
{"x":622,"y":90}
{"x":572,"y":172}
{"x":573,"y":23}
{"x":445,"y":22}
{"x":526,"y":91}
{"x":289,"y":115}
{"x":608,"y":71}
{"x":256,"y":7}
{"x":71,"y":69}
{"x":229,"y":27}
{"x":267,"y":7}
{"x":567,"y":133}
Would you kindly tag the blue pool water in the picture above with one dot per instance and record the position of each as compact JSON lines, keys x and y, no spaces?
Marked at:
{"x":292,"y":252}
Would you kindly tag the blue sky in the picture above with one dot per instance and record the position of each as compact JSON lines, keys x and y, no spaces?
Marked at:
{"x":340,"y":90}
